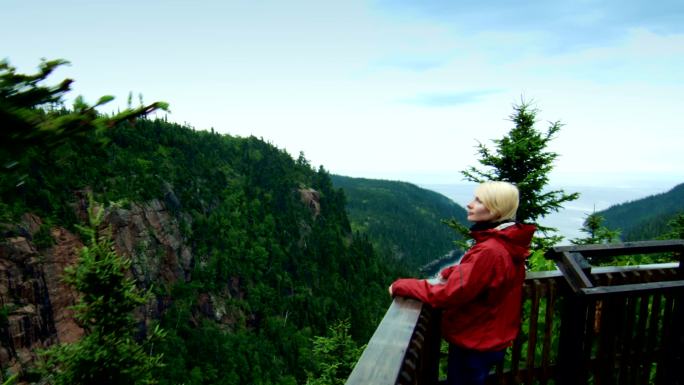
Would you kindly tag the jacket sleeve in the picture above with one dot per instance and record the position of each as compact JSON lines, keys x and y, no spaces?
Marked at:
{"x":446,"y":272}
{"x":465,"y":282}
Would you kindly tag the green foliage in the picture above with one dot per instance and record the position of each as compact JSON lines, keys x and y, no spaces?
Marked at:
{"x":596,"y":231}
{"x":262,"y":253}
{"x":108,"y":353}
{"x":33,"y":114}
{"x":35,"y":129}
{"x":674,"y":230}
{"x":4,"y":314}
{"x":42,"y":238}
{"x":676,"y":226}
{"x":402,"y":220}
{"x":537,"y":261}
{"x":269,"y":272}
{"x":334,"y":356}
{"x":544,"y":323}
{"x":646,"y":218}
{"x":521,"y":158}
{"x":11,"y":380}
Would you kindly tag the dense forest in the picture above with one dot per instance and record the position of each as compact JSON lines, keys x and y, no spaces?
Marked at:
{"x":645,"y":218}
{"x":258,"y":276}
{"x":269,"y":236}
{"x":402,"y":220}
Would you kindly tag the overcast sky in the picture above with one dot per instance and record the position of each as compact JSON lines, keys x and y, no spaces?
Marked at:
{"x":389,"y":89}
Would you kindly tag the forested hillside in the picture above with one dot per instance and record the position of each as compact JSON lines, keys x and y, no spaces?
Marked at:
{"x":272,"y":259}
{"x":645,"y":218}
{"x":402,"y":220}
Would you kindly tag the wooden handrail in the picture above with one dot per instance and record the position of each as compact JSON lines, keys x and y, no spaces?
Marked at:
{"x":599,"y":315}
{"x":403,"y":345}
{"x":616,"y":249}
{"x":572,"y":260}
{"x":382,"y":360}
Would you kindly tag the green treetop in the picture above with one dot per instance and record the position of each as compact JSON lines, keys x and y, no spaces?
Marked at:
{"x":33,"y":116}
{"x":521,"y":157}
{"x":597,"y":232}
{"x":107,"y":354}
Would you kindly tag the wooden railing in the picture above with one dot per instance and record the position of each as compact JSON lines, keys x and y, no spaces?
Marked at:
{"x":581,"y":325}
{"x":404,"y":348}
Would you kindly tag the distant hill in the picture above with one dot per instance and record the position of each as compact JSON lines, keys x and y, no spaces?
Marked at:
{"x":402,"y":220}
{"x":249,"y":252}
{"x":645,"y":218}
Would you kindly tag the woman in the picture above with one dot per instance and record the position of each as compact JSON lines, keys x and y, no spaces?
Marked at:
{"x":481,"y":296}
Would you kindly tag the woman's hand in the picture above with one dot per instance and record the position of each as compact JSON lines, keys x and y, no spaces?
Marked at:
{"x":390,"y":290}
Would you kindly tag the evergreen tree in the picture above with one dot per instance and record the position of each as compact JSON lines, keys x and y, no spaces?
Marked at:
{"x":521,"y":158}
{"x":108,"y":353}
{"x":334,"y":356}
{"x":401,"y":219}
{"x":676,"y":226}
{"x":11,"y":380}
{"x":648,"y":217}
{"x":276,"y":270}
{"x":33,"y":116}
{"x":597,"y":232}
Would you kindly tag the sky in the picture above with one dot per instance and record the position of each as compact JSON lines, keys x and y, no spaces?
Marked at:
{"x":400,"y":90}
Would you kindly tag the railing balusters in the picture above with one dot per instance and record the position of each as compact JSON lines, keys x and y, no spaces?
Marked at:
{"x":639,"y":341}
{"x":548,"y":330}
{"x":664,"y":368}
{"x":626,"y":338}
{"x":623,"y":329}
{"x":534,"y":290}
{"x":652,"y":338}
{"x":515,"y":359}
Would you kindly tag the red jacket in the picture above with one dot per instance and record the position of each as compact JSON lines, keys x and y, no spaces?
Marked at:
{"x":481,"y":296}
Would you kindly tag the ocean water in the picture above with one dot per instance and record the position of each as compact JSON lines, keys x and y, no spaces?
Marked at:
{"x":569,"y":220}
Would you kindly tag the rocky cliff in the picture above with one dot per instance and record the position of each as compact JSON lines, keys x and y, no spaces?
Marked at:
{"x":34,"y":301}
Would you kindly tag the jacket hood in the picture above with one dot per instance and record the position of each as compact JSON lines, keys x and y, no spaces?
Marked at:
{"x":515,"y":238}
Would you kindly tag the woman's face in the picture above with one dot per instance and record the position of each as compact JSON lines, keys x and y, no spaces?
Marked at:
{"x":477,"y":212}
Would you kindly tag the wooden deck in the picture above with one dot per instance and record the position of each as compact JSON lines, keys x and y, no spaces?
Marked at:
{"x":581,"y":325}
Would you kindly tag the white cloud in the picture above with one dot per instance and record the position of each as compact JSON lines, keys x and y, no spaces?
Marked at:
{"x":354,"y":84}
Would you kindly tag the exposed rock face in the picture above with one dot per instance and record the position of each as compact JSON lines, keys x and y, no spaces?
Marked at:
{"x":312,"y":199}
{"x":33,"y":298}
{"x":35,"y":302}
{"x":150,"y":235}
{"x":64,"y":253}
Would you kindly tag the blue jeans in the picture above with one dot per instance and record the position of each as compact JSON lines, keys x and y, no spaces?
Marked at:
{"x":470,"y":367}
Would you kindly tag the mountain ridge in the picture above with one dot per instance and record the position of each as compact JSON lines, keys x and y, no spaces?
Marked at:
{"x":645,"y":218}
{"x":244,"y":269}
{"x":403,"y":220}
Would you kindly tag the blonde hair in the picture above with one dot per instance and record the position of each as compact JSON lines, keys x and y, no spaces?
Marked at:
{"x":500,"y":198}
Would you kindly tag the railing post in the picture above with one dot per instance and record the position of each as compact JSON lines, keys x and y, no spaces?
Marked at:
{"x":601,"y":307}
{"x":572,"y":352}
{"x":433,"y":342}
{"x":575,"y":345}
{"x":392,"y":347}
{"x":675,"y":346}
{"x":571,"y":349}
